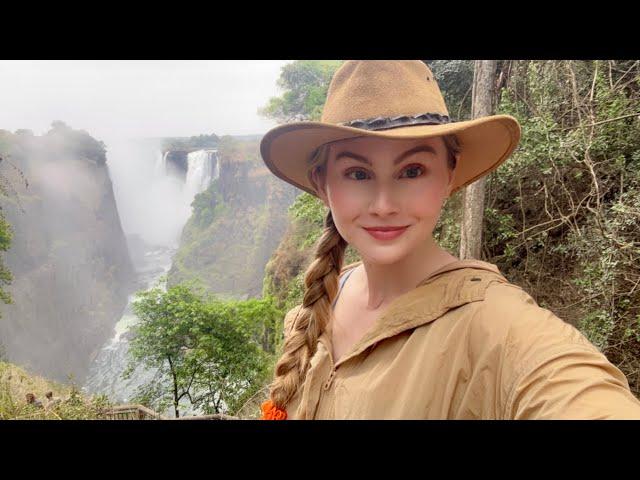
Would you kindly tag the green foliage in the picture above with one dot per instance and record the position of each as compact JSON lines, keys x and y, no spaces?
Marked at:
{"x":209,"y":351}
{"x":207,"y":206}
{"x":564,"y":212}
{"x":295,"y":292}
{"x":6,"y":276}
{"x":502,"y":228}
{"x":310,"y":210}
{"x":190,"y":143}
{"x":305,"y":84}
{"x":162,"y":339}
{"x":455,"y":78}
{"x":70,"y":405}
{"x":447,"y":230}
{"x":6,"y":233}
{"x":77,"y":143}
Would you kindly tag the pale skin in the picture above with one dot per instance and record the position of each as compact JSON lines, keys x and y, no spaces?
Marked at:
{"x":373,"y":182}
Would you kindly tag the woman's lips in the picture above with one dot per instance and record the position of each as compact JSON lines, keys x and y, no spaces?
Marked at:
{"x":386,"y":233}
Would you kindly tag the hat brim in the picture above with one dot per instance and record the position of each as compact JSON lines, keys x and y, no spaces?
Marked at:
{"x":486,"y":142}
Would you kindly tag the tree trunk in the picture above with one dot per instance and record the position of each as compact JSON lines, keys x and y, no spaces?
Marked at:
{"x":482,"y":95}
{"x":174,"y":377}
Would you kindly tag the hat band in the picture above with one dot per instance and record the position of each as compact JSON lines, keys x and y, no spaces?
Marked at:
{"x":382,"y":123}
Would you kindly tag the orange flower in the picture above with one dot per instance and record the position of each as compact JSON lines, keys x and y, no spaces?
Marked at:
{"x":271,"y":412}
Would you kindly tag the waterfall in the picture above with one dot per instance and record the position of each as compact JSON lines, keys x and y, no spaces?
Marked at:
{"x":149,"y":199}
{"x":200,"y":172}
{"x":164,"y":206}
{"x":105,"y":373}
{"x":216,"y":168}
{"x":166,"y":210}
{"x":160,"y":167}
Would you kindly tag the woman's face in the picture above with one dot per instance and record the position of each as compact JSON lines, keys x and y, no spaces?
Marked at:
{"x":372,"y":182}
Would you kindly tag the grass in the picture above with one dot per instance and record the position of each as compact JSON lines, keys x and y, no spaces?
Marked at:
{"x":16,"y":382}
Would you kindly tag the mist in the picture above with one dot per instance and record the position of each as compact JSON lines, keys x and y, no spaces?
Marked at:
{"x":133,"y":99}
{"x":96,"y":229}
{"x":130,"y":105}
{"x":151,"y":204}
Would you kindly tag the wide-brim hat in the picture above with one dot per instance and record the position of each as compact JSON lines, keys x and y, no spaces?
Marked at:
{"x":393,"y":100}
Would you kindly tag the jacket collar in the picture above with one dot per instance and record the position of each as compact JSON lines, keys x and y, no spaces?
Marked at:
{"x":451,"y":286}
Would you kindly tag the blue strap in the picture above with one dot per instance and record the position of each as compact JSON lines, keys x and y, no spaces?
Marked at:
{"x":342,"y":282}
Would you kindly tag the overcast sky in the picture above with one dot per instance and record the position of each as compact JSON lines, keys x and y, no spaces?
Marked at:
{"x":130,"y":98}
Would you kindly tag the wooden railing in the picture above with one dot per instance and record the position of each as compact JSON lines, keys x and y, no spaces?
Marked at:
{"x":216,"y":416}
{"x":140,"y":412}
{"x":131,"y":412}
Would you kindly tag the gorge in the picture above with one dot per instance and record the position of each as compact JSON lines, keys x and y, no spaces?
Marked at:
{"x":130,"y":215}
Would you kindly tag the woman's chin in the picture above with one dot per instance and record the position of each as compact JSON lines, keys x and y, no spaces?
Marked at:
{"x":385,"y":255}
{"x":385,"y":252}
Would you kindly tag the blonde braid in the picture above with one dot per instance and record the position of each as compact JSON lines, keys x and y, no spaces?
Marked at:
{"x":321,"y":287}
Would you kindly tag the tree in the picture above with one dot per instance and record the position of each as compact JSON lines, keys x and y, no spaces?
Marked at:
{"x":60,"y":125}
{"x":24,"y":132}
{"x":6,"y":277}
{"x":232,"y":362}
{"x":162,"y":340}
{"x":6,"y":233}
{"x":305,"y":84}
{"x":204,"y":350}
{"x":455,"y":79}
{"x":260,"y":319}
{"x":473,"y":195}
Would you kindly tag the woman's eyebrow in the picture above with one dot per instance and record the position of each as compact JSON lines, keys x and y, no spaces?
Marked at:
{"x":352,"y":155}
{"x":419,"y":148}
{"x":360,"y":158}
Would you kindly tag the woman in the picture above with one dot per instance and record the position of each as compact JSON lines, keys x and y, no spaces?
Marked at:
{"x":412,"y":332}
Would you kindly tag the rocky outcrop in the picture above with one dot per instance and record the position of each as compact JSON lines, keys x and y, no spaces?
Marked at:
{"x":177,"y":162}
{"x":69,"y":258}
{"x":236,"y":224}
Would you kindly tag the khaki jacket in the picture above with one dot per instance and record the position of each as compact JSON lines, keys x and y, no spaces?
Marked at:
{"x":464,"y":344}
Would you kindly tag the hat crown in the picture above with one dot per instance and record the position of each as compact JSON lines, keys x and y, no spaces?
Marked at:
{"x":368,"y":89}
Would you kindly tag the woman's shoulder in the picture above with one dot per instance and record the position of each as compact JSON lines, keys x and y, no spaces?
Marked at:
{"x":505,"y":315}
{"x":508,"y":326}
{"x":547,"y":368}
{"x":509,"y":309}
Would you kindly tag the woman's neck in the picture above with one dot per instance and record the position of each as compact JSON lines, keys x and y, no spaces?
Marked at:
{"x":379,"y":284}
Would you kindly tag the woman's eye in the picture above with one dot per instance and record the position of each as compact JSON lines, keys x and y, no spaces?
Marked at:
{"x":360,"y":175}
{"x":414,"y":171}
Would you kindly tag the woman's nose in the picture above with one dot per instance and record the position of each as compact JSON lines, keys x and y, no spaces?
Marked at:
{"x":384,"y":201}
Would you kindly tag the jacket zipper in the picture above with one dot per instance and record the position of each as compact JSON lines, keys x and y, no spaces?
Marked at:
{"x":334,"y":368}
{"x":329,"y":381}
{"x":327,"y":384}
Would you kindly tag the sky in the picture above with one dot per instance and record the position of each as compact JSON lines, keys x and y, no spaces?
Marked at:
{"x":133,"y":99}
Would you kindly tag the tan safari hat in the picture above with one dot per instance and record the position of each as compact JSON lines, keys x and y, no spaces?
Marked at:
{"x":387,"y":99}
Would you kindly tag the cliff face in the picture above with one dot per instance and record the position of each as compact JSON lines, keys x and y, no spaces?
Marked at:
{"x":72,"y":270}
{"x":236,"y":224}
{"x":177,"y":163}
